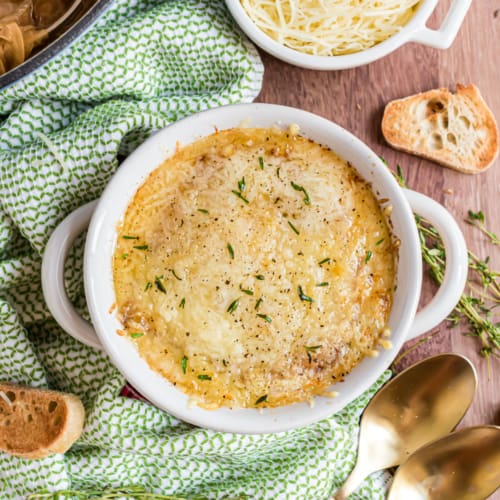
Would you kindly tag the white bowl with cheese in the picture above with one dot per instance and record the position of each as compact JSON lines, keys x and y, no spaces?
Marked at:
{"x":413,"y":30}
{"x":105,"y":216}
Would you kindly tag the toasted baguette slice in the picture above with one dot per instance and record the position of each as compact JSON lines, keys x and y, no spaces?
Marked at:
{"x":456,"y":130}
{"x":35,"y":423}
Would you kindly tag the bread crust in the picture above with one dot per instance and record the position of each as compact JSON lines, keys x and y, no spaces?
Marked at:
{"x":457,"y":130}
{"x":35,"y":423}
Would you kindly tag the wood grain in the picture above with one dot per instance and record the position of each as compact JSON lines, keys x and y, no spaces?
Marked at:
{"x":355,"y":99}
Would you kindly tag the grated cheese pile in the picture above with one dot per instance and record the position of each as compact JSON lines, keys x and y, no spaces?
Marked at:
{"x":330,"y":28}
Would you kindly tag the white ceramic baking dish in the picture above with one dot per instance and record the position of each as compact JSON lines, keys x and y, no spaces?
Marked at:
{"x":106,"y":213}
{"x":414,"y":31}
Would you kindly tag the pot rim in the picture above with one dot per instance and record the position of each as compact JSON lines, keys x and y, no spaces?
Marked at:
{"x":53,"y":49}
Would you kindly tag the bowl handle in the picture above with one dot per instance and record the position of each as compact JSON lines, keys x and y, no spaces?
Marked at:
{"x":54,"y":291}
{"x":455,"y":275}
{"x":431,"y":315}
{"x":444,"y":36}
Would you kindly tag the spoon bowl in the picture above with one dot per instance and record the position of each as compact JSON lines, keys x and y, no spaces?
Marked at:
{"x":420,"y":405}
{"x":464,"y":466}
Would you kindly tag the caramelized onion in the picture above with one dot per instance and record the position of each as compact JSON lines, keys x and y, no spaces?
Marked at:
{"x":23,"y":27}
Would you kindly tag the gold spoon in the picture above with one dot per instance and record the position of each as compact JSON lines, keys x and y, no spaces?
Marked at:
{"x":463,"y":466}
{"x":420,"y":405}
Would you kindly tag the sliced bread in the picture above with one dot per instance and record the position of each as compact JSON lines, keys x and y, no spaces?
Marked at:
{"x":35,"y":423}
{"x":456,"y":130}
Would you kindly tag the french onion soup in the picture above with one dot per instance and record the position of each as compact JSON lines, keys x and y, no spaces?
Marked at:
{"x":254,"y":268}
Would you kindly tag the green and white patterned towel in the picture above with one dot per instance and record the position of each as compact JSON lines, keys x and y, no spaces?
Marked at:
{"x":62,"y":131}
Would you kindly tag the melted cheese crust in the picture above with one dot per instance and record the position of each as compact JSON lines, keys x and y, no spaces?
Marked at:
{"x":254,"y":268}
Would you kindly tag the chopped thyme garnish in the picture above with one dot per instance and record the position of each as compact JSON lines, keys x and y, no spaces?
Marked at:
{"x":182,"y":303}
{"x":240,"y":196}
{"x":233,"y":306}
{"x":127,"y":237}
{"x":184,"y":362}
{"x":141,"y":247}
{"x":241,"y":187}
{"x":136,"y":335}
{"x":265,"y":317}
{"x":259,"y":277}
{"x":295,"y":230}
{"x":204,"y":377}
{"x":230,"y":250}
{"x":307,"y":200}
{"x":368,"y":256}
{"x":303,"y":296}
{"x":325,"y":261}
{"x":312,"y":348}
{"x":203,"y":211}
{"x":244,"y":290}
{"x":258,"y":303}
{"x":175,"y":275}
{"x":148,"y":286}
{"x":124,"y":256}
{"x":278,"y":172}
{"x":324,"y":283}
{"x":262,"y":399}
{"x":261,"y":162}
{"x":379,"y":242}
{"x":159,"y":284}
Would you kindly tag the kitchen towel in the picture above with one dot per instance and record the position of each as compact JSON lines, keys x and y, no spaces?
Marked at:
{"x":63,"y":132}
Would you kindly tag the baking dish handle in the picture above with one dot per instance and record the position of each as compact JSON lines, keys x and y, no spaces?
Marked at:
{"x":455,"y":275}
{"x":443,"y":37}
{"x":54,"y":291}
{"x":431,"y":315}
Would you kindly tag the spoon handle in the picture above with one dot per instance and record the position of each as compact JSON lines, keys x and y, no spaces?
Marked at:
{"x":351,"y":483}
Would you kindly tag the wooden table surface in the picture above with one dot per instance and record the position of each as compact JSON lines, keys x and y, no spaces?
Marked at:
{"x":355,"y":100}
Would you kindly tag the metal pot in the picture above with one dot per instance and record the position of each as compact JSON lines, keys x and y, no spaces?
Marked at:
{"x":76,"y":25}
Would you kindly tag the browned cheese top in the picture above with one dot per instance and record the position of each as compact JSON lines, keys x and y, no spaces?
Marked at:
{"x":254,"y":267}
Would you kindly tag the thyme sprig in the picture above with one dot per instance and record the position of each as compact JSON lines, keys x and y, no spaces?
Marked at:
{"x":478,"y":219}
{"x":481,"y":296}
{"x":132,"y":492}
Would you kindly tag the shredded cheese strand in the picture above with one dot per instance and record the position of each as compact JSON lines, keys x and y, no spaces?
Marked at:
{"x":330,"y":27}
{"x":53,"y":150}
{"x":5,"y":398}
